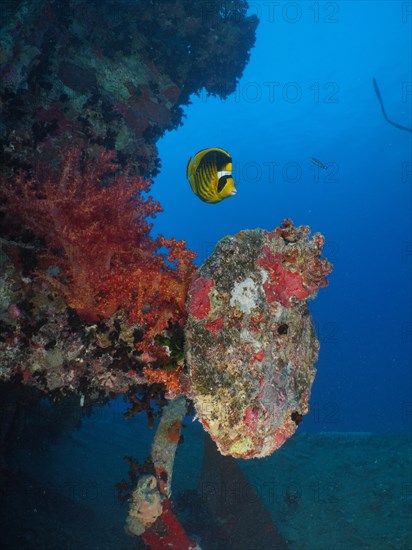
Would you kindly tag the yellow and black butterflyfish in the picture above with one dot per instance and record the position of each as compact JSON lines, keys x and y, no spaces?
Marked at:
{"x":210,"y":175}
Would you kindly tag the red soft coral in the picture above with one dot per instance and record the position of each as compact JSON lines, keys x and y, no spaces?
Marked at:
{"x":93,"y":219}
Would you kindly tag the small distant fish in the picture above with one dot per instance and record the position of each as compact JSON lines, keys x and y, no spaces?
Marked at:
{"x":210,"y":175}
{"x":317,"y":162}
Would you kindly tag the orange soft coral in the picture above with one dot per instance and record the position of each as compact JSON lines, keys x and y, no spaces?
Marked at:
{"x":93,"y":220}
{"x":169,"y":378}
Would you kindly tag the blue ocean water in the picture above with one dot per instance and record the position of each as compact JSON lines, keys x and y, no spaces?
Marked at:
{"x":307,"y":92}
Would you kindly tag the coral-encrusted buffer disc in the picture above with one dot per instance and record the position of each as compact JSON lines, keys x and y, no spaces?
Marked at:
{"x":251,"y":347}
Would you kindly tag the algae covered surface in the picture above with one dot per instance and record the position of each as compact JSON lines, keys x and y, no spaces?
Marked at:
{"x":251,"y":347}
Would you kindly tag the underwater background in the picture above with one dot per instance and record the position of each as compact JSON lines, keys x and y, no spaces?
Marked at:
{"x":344,"y":480}
{"x":307,"y":92}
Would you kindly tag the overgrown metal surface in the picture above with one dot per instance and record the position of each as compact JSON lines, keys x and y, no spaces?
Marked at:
{"x":251,"y":347}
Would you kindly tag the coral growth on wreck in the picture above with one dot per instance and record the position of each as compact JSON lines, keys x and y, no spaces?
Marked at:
{"x":64,"y":80}
{"x":251,"y":348}
{"x":91,"y":229}
{"x":79,"y":222}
